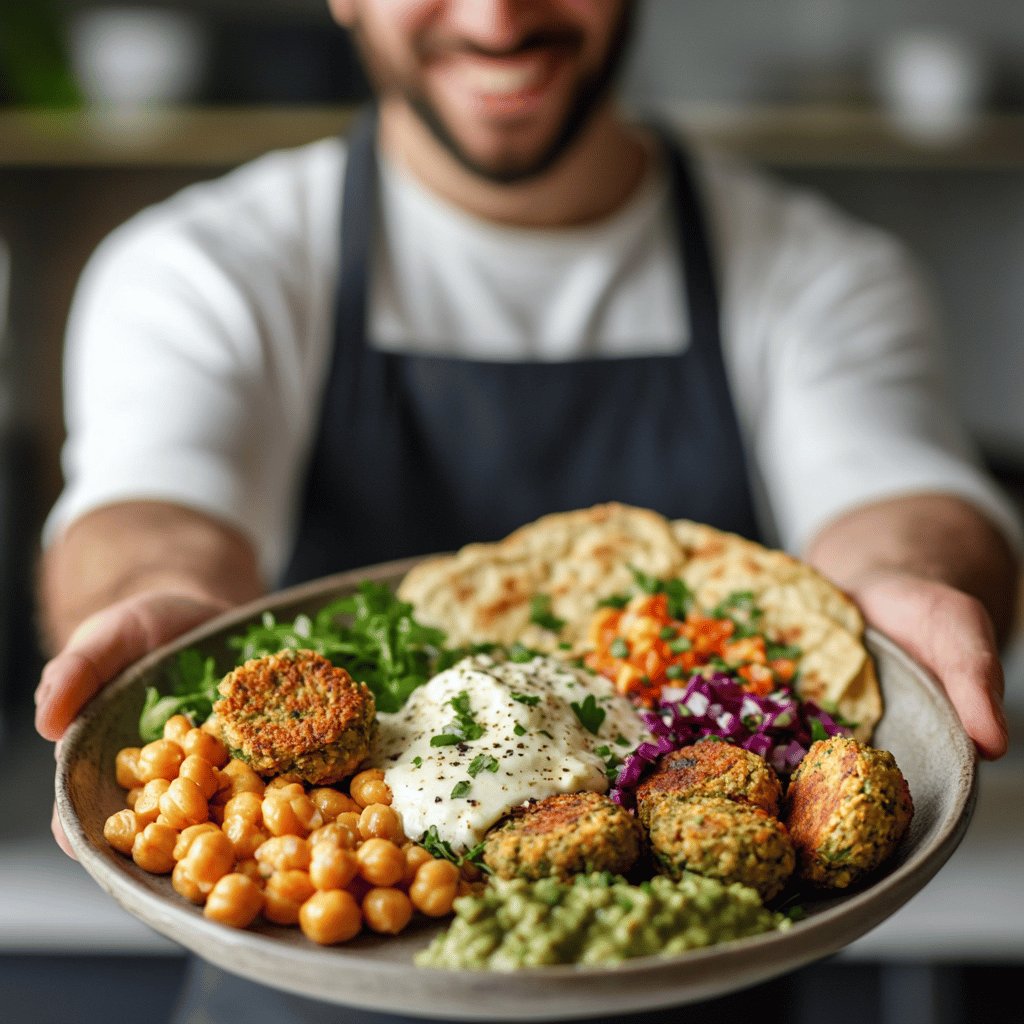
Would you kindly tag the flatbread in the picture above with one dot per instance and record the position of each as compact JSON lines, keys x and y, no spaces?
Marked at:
{"x":483,"y":593}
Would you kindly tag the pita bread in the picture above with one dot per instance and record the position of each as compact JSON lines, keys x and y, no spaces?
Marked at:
{"x":483,"y":593}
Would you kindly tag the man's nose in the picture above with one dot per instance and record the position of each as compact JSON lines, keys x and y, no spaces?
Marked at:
{"x":496,"y":25}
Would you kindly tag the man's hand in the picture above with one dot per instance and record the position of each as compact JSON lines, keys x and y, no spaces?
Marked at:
{"x":935,"y":575}
{"x":951,"y":634}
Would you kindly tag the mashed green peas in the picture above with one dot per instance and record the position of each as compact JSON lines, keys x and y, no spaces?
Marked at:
{"x":594,"y":919}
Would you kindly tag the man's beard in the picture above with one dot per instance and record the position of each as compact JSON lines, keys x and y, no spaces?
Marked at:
{"x":589,"y":95}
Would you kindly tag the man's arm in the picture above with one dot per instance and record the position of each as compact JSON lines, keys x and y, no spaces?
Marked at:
{"x":121,"y":581}
{"x":936,"y":576}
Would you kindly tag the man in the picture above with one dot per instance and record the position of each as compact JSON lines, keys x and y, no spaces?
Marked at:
{"x":539,"y":305}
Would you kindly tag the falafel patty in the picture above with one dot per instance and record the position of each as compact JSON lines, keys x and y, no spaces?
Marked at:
{"x":562,"y":835}
{"x":710,"y":768}
{"x":724,"y":839}
{"x":847,"y":806}
{"x":295,"y":714}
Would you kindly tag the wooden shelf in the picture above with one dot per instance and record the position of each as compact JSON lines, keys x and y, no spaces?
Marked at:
{"x":797,"y":136}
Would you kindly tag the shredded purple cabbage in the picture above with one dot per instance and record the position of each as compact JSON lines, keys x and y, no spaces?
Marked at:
{"x":779,"y":727}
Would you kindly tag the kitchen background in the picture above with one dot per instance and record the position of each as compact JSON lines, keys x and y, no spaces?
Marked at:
{"x":909,"y":113}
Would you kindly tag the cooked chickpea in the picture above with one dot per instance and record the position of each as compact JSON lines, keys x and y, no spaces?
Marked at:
{"x":153,"y":849}
{"x":369,"y":787}
{"x":237,"y":777}
{"x":386,"y":910}
{"x":198,"y":770}
{"x":207,"y":746}
{"x":331,"y":867}
{"x":283,"y":785}
{"x":247,"y":806}
{"x":184,"y":804}
{"x":380,"y":862}
{"x":434,"y":888}
{"x":331,"y":803}
{"x":185,"y":885}
{"x":330,"y":917}
{"x":120,"y":830}
{"x":350,"y":820}
{"x":379,"y":821}
{"x":285,"y":893}
{"x":287,"y":814}
{"x":279,"y":853}
{"x":147,"y":806}
{"x":210,"y":857}
{"x":188,"y":836}
{"x":132,"y":796}
{"x":245,"y":836}
{"x":160,"y":759}
{"x":414,"y":857}
{"x":235,"y":900}
{"x":176,"y":728}
{"x":126,"y":767}
{"x":337,"y":835}
{"x":251,"y":869}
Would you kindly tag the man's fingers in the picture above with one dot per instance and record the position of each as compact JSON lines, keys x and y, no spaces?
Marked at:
{"x":104,"y":645}
{"x":58,"y":833}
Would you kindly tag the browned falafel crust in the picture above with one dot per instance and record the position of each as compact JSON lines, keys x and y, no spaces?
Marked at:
{"x":563,"y":835}
{"x":710,"y":768}
{"x":725,"y":839}
{"x":847,"y":807}
{"x":296,"y":714}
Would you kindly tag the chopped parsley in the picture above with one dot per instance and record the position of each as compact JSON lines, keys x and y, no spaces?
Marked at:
{"x":589,"y":714}
{"x":680,"y":597}
{"x":464,"y":728}
{"x":441,"y":849}
{"x":417,"y":762}
{"x":482,"y":763}
{"x":612,"y":761}
{"x":541,"y":614}
{"x":461,"y":789}
{"x":741,"y":607}
{"x":619,"y":648}
{"x":519,"y":730}
{"x":526,"y":698}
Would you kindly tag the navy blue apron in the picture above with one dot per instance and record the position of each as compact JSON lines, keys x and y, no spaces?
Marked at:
{"x":417,"y":454}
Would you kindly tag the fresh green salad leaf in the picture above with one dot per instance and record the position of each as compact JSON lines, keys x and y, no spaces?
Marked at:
{"x":194,"y":682}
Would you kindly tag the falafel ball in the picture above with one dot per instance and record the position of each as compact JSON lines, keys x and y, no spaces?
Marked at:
{"x":562,"y":835}
{"x":724,"y":839}
{"x":295,"y":714}
{"x":847,"y":806}
{"x":710,"y":768}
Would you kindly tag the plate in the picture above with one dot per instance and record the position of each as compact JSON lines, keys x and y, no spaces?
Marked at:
{"x":919,"y":726}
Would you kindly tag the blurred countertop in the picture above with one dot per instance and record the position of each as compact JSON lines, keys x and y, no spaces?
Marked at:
{"x":972,"y":911}
{"x":798,"y":135}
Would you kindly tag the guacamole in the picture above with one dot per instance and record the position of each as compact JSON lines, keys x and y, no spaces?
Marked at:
{"x":594,"y":919}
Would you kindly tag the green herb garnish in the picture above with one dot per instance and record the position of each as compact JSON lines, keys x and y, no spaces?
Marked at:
{"x":541,"y":614}
{"x":464,"y":728}
{"x":680,"y":597}
{"x":589,"y":714}
{"x":518,"y":729}
{"x":483,"y":763}
{"x":526,"y":698}
{"x":461,"y":789}
{"x":741,"y":607}
{"x":619,"y":648}
{"x":194,"y":681}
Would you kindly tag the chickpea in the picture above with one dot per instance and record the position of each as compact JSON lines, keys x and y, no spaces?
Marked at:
{"x":188,"y":837}
{"x":350,"y":820}
{"x":160,"y":759}
{"x":380,"y":862}
{"x":245,"y":836}
{"x":434,"y":888}
{"x":414,"y":857}
{"x":285,"y":786}
{"x":331,"y":867}
{"x":176,"y":727}
{"x":153,"y":849}
{"x":184,"y":804}
{"x":210,"y":857}
{"x":381,"y":822}
{"x":335,"y":834}
{"x":330,"y":917}
{"x":147,"y":806}
{"x":185,"y":885}
{"x":285,"y":893}
{"x":279,"y":853}
{"x":132,"y":796}
{"x":126,"y":767}
{"x":285,"y":813}
{"x":234,"y":900}
{"x":331,"y":803}
{"x":207,"y":746}
{"x":386,"y":910}
{"x":237,"y":777}
{"x":251,"y":869}
{"x":247,"y":806}
{"x":198,"y":770}
{"x":120,"y":830}
{"x":216,"y":813}
{"x":369,"y":787}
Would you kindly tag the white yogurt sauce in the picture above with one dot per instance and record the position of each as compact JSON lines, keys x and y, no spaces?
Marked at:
{"x":530,"y":747}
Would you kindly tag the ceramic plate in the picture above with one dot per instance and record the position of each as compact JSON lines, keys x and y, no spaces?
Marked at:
{"x":919,"y":726}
